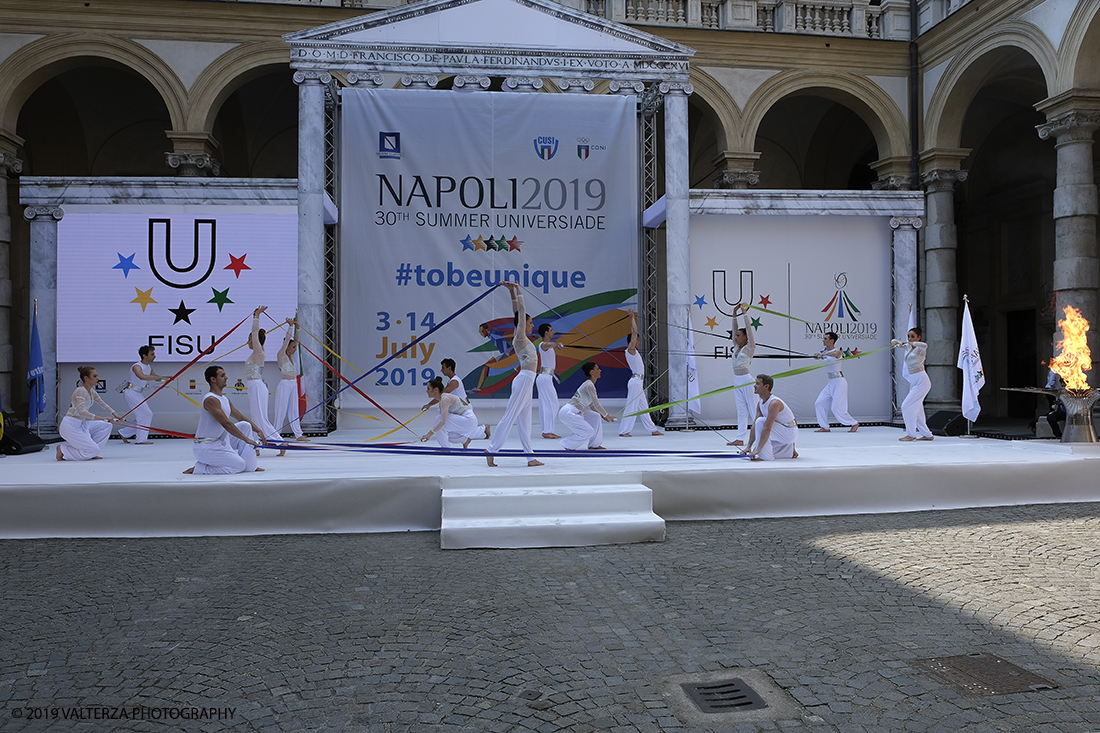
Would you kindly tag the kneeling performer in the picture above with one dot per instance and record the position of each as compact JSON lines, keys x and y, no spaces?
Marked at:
{"x":774,"y":433}
{"x":583,"y":413}
{"x":456,"y":420}
{"x":221,"y":445}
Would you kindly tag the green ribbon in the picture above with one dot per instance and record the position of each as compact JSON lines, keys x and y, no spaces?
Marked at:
{"x":777,"y":313}
{"x":791,"y":373}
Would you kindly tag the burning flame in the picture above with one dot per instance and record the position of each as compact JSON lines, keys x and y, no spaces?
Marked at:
{"x":1074,"y":359}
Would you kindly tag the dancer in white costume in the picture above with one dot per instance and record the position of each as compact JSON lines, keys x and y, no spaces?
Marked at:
{"x":518,"y":411}
{"x":544,"y":382}
{"x":775,"y":431}
{"x":286,"y":394}
{"x":835,"y":393}
{"x":912,"y":409}
{"x":744,"y":347}
{"x":222,"y":445}
{"x":134,"y":390}
{"x":454,"y":386}
{"x":84,"y":431}
{"x":456,"y":419}
{"x":258,"y":393}
{"x":635,"y":394}
{"x":584,"y":415}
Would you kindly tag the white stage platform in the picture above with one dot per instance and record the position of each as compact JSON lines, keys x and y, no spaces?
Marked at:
{"x":139,"y":491}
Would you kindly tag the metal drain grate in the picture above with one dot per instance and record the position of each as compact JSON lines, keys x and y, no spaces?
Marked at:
{"x":985,"y":674}
{"x":725,"y":696}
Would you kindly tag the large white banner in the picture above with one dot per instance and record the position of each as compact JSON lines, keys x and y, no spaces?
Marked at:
{"x":444,"y":194}
{"x":831,"y":272}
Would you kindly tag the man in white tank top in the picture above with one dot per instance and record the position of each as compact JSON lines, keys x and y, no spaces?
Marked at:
{"x":222,"y":445}
{"x":775,"y":431}
{"x":453,"y":385}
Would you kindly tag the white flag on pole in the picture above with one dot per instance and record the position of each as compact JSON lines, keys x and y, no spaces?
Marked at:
{"x":693,"y":374}
{"x":970,"y":361}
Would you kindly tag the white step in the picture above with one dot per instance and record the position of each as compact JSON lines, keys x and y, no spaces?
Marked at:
{"x":549,"y":516}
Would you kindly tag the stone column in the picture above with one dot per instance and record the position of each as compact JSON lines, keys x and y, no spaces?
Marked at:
{"x":43,"y":220}
{"x":1076,"y":266}
{"x":311,"y":229}
{"x":735,"y":170}
{"x":941,"y":289}
{"x":677,"y":250}
{"x":904,"y":249}
{"x":8,"y":164}
{"x":193,"y":154}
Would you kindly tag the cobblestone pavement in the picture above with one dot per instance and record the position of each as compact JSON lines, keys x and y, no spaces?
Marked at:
{"x":386,"y":632}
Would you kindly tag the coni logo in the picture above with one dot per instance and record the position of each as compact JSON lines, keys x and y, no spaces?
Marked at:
{"x":546,"y":147}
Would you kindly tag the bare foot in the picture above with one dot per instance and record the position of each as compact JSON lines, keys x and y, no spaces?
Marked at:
{"x":823,"y":430}
{"x":100,"y":458}
{"x":755,"y":459}
{"x":795,"y":454}
{"x":929,"y":437}
{"x":190,"y":470}
{"x":125,"y":439}
{"x":657,"y":432}
{"x":281,"y":453}
{"x":259,"y":469}
{"x":736,"y":442}
{"x":488,"y":430}
{"x":144,"y":442}
{"x":533,"y":462}
{"x":302,"y":439}
{"x":466,"y":444}
{"x":906,"y":438}
{"x":625,"y":435}
{"x":596,"y":447}
{"x":551,"y":436}
{"x":489,"y":460}
{"x":60,"y":455}
{"x":853,"y":428}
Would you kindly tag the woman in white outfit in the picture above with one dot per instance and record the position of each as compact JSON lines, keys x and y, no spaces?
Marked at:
{"x":635,"y":394}
{"x":548,"y":393}
{"x":912,"y":409}
{"x":286,"y":394}
{"x":134,"y":393}
{"x":744,"y":347}
{"x":85,"y":432}
{"x":584,"y":415}
{"x":258,"y":393}
{"x":835,"y":393}
{"x":775,"y":431}
{"x":518,"y":411}
{"x":456,"y":419}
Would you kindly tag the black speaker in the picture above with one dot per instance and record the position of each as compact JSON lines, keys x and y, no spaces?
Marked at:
{"x":18,"y":440}
{"x":950,"y":424}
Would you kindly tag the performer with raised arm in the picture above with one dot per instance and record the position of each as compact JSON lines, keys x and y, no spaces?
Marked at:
{"x":85,"y":432}
{"x":456,"y":420}
{"x":912,"y":409}
{"x":254,"y":379}
{"x":454,"y":386}
{"x":775,"y":431}
{"x":222,"y":445}
{"x":635,"y":391}
{"x":584,"y":415}
{"x":744,"y":347}
{"x":519,"y":403}
{"x":133,"y":389}
{"x":548,"y":393}
{"x":835,"y":393}
{"x":286,"y":394}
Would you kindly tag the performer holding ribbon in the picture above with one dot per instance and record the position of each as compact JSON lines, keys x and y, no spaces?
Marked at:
{"x":456,"y":420}
{"x":519,"y":403}
{"x":635,"y":392}
{"x":84,"y":432}
{"x":286,"y":394}
{"x":258,"y":393}
{"x":744,"y":347}
{"x":133,"y":389}
{"x":548,"y":393}
{"x":912,"y":409}
{"x":584,"y":415}
{"x":835,"y":393}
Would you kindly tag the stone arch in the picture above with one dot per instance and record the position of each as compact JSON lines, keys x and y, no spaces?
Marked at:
{"x":966,"y":73}
{"x":26,"y":70}
{"x":1080,"y":63}
{"x":727,"y":116}
{"x":228,"y":73}
{"x":865,"y":98}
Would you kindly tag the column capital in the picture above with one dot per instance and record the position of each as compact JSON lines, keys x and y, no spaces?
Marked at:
{"x":935,"y":181}
{"x":906,"y":222}
{"x":365,"y":81}
{"x":9,"y":164}
{"x":736,"y":179}
{"x":310,"y":77}
{"x":677,"y":87}
{"x":30,"y":213}
{"x":892,"y":182}
{"x":193,"y":164}
{"x":419,"y":81}
{"x":1072,"y":126}
{"x":523,"y":83}
{"x":466,"y":83}
{"x":627,"y":87}
{"x":576,"y":86}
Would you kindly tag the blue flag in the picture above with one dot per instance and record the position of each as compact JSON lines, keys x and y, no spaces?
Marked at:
{"x":35,"y":380}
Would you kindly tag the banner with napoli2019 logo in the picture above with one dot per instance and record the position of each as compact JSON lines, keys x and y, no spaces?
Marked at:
{"x":444,"y":194}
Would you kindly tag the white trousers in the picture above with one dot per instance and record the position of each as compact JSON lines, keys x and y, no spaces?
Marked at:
{"x":747,"y":402}
{"x":257,"y":407}
{"x":140,"y":415}
{"x":635,"y":400}
{"x":835,"y":396}
{"x":228,"y":455}
{"x":518,"y":412}
{"x":587,"y":427}
{"x":780,"y":442}
{"x":84,"y":438}
{"x":548,"y":401}
{"x":458,"y":429}
{"x":912,"y":409}
{"x":286,"y":407}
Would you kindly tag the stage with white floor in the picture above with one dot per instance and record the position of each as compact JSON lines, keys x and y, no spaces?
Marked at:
{"x":140,"y":491}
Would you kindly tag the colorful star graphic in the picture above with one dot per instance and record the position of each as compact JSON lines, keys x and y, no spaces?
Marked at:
{"x":479,"y":243}
{"x":514,"y":243}
{"x":467,"y":243}
{"x":126,"y":264}
{"x":700,"y":300}
{"x":711,"y":323}
{"x":765,"y":300}
{"x":755,"y":324}
{"x":236,"y":264}
{"x":490,"y":243}
{"x":144,"y":297}
{"x":221,"y":298}
{"x":183,"y":313}
{"x":502,"y":244}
